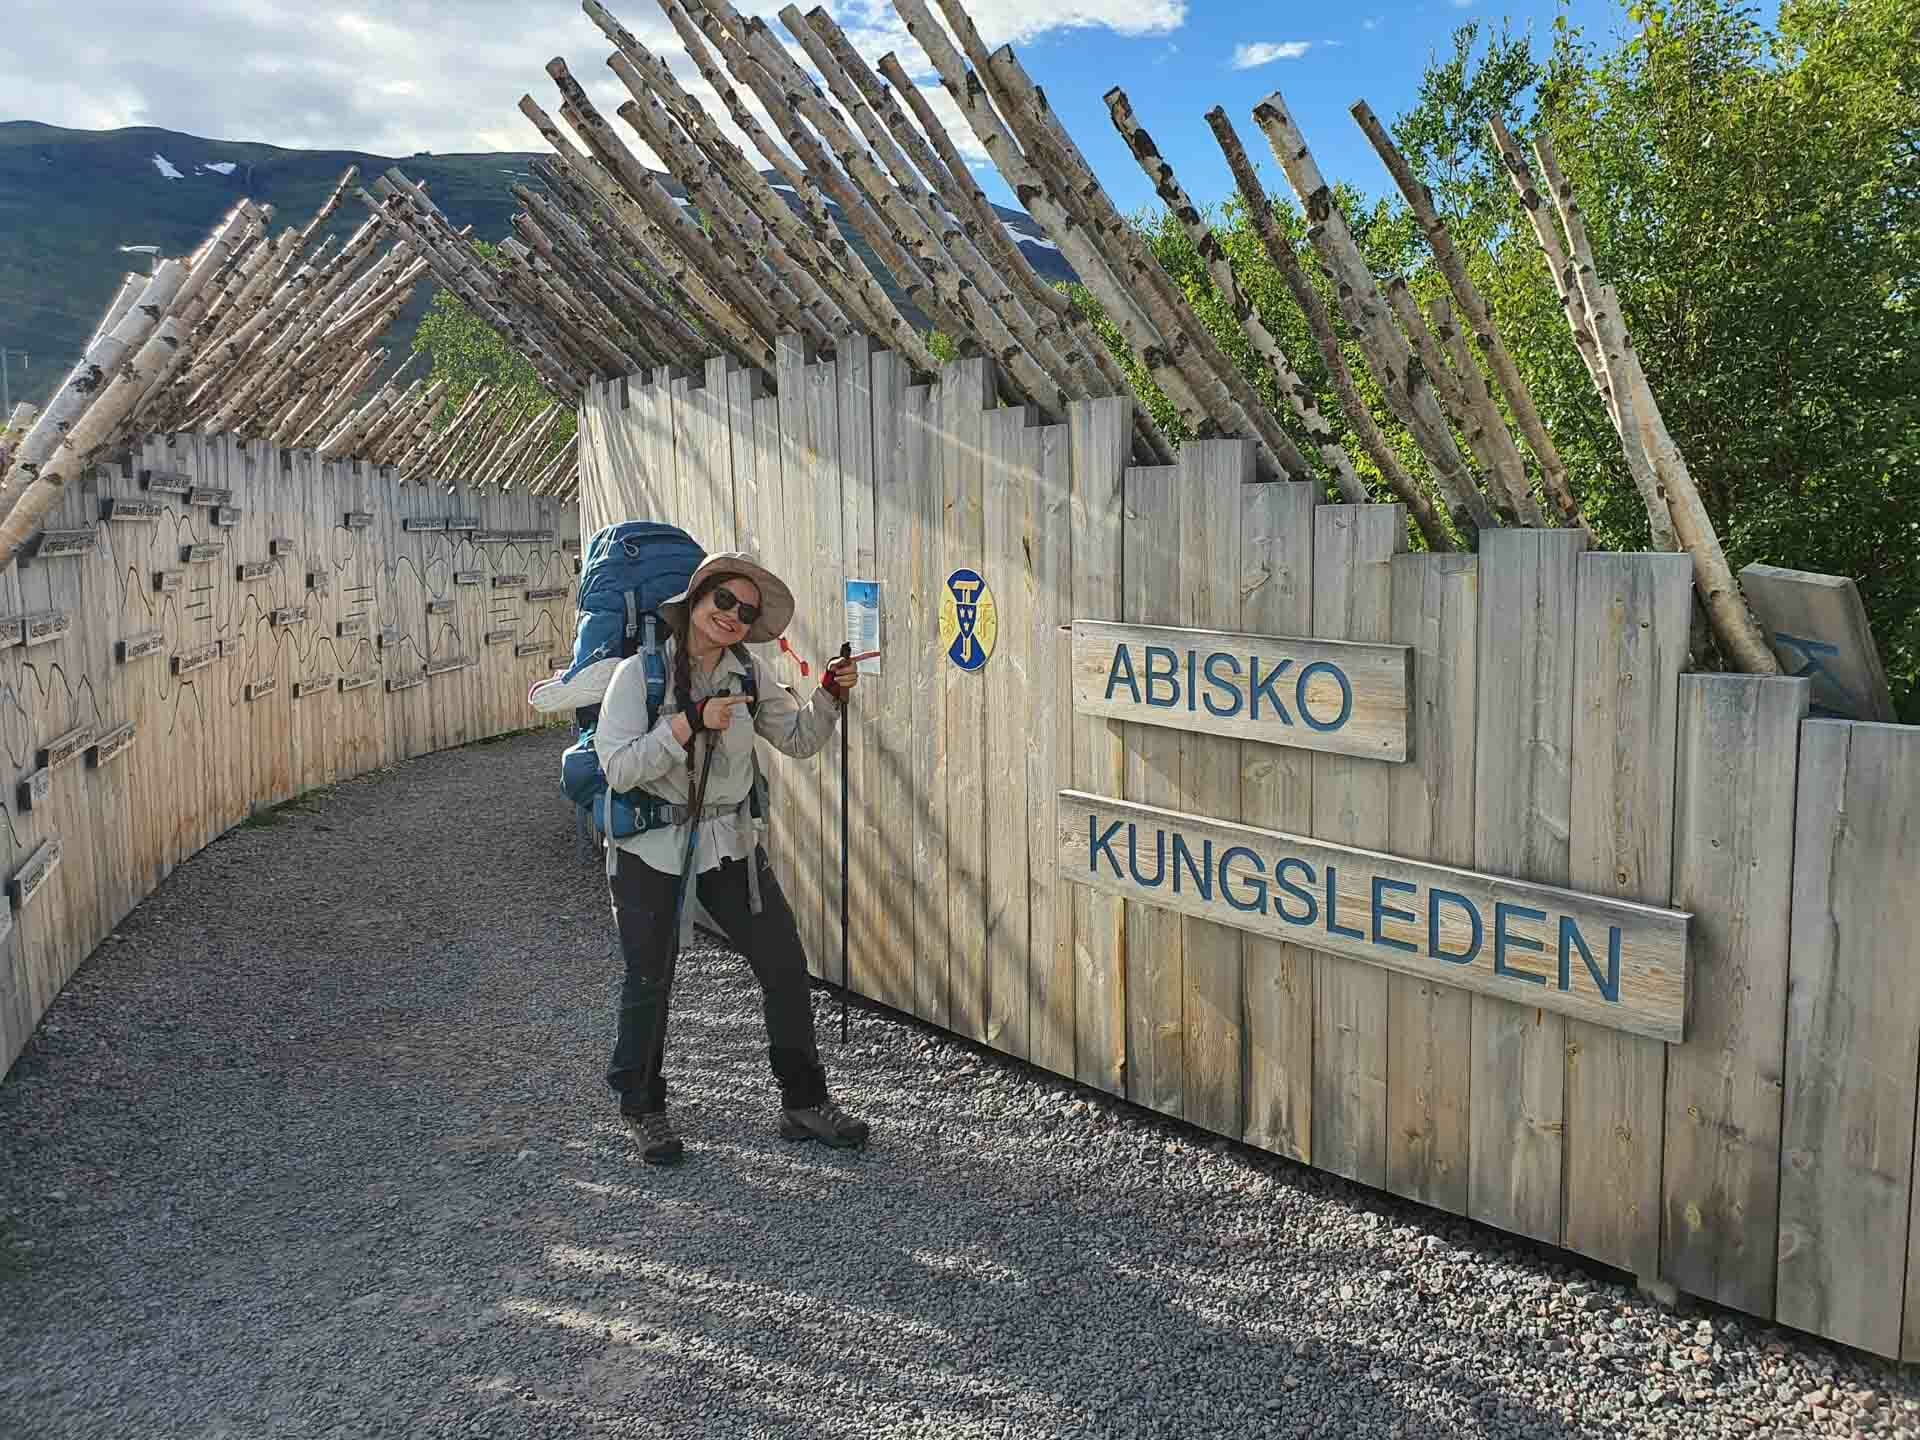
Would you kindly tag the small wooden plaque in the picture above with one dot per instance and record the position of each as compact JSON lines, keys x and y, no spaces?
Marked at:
{"x":138,"y":647}
{"x":228,"y":645}
{"x":559,"y":662}
{"x":198,"y":658}
{"x":203,"y":552}
{"x":508,"y":582}
{"x":529,"y":647}
{"x":388,"y":637}
{"x":67,"y":747}
{"x":468,"y":577}
{"x":439,"y":607}
{"x":56,"y":543}
{"x":572,"y":546}
{"x":463,"y":522}
{"x":205,"y":495}
{"x":288,"y":615}
{"x":13,"y":630}
{"x":47,"y":625}
{"x":167,"y":581}
{"x":313,"y":685}
{"x":226,"y":516}
{"x":166,"y":482}
{"x":497,"y":637}
{"x":280,"y":545}
{"x":357,"y":520}
{"x":35,"y":789}
{"x":358,"y":682}
{"x":115,"y":508}
{"x":552,"y":592}
{"x":511,"y":537}
{"x":319,"y":582}
{"x":261,"y":689}
{"x":405,"y":682}
{"x":31,"y":878}
{"x":254,"y":570}
{"x":447,"y":666}
{"x":110,"y":746}
{"x":424,"y":523}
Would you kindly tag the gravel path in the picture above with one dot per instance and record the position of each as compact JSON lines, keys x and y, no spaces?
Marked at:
{"x":318,"y":1145}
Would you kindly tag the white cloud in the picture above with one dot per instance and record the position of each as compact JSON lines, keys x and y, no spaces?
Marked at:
{"x":1265,"y":52}
{"x":1372,"y":22}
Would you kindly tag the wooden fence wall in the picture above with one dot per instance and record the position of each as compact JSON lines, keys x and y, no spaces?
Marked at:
{"x":247,"y":625}
{"x":1766,"y":1162}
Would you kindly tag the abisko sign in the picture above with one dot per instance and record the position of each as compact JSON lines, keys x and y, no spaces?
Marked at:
{"x":1612,"y":962}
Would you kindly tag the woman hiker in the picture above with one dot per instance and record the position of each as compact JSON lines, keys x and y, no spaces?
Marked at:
{"x":729,"y":600}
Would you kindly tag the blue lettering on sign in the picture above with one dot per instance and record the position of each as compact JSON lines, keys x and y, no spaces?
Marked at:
{"x":1230,"y":687}
{"x":1265,"y":687}
{"x":1334,"y":927}
{"x":1121,"y":673}
{"x":1202,"y":873}
{"x":1097,"y":843}
{"x":1383,"y":911}
{"x":1609,"y":988}
{"x":1435,"y":899}
{"x":1813,"y":669}
{"x":1304,"y":896}
{"x":1346,"y":696}
{"x":1501,"y":940}
{"x":1168,"y":677}
{"x":1258,"y":883}
{"x":1159,"y":857}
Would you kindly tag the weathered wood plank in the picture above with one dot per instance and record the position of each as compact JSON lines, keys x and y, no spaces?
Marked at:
{"x":923,"y":460}
{"x":823,"y":580}
{"x":1353,"y":552}
{"x":1436,"y":611}
{"x":856,"y":526}
{"x":1523,"y":787}
{"x":1734,"y":789}
{"x":885,"y":701}
{"x":1011,"y":698}
{"x":965,"y":389}
{"x":1049,"y":744}
{"x":1853,"y":1034}
{"x":1630,"y":646}
{"x":1276,"y":793}
{"x":1099,"y":435}
{"x":1818,"y":629}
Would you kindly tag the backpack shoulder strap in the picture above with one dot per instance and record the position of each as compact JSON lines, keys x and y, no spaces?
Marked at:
{"x":745,"y":657}
{"x":653,"y":657}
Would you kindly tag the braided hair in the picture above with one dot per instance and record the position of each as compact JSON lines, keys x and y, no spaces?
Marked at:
{"x":682,"y":657}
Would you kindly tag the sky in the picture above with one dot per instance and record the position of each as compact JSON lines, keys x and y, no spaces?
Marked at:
{"x":393,"y":77}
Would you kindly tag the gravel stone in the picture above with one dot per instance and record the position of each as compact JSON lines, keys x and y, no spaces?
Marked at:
{"x":318,"y":1145}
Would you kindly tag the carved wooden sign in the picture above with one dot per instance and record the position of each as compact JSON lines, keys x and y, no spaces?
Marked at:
{"x":201,"y":553}
{"x":510,"y":537}
{"x":31,"y":878}
{"x":138,"y":647}
{"x":448,"y":665}
{"x":1329,"y":695}
{"x":463,"y":522}
{"x":166,"y":581}
{"x":1817,"y":626}
{"x":468,"y":577}
{"x":47,"y":625}
{"x":497,"y":637}
{"x":56,"y":543}
{"x":559,"y":662}
{"x":357,"y":520}
{"x":354,"y":625}
{"x":111,"y":746}
{"x":207,"y":495}
{"x":358,"y":682}
{"x":13,"y":631}
{"x":280,"y":545}
{"x":319,"y":582}
{"x":413,"y":522}
{"x":166,"y":482}
{"x":1612,"y":962}
{"x":288,"y":615}
{"x":529,"y":647}
{"x":198,"y":658}
{"x":66,"y":748}
{"x":570,"y":545}
{"x":226,"y":516}
{"x":115,"y":508}
{"x":254,"y":570}
{"x":508,"y":582}
{"x":313,"y":685}
{"x":406,"y":682}
{"x":35,"y":789}
{"x":228,"y":645}
{"x":261,"y":689}
{"x":439,"y":607}
{"x":552,"y":592}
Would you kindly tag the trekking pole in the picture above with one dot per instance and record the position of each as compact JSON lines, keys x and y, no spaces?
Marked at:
{"x":693,"y":830}
{"x":846,"y":720}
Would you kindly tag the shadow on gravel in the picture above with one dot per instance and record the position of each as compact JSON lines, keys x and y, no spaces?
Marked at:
{"x":317,"y":1146}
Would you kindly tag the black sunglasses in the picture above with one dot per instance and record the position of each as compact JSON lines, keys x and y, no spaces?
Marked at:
{"x":725,"y":599}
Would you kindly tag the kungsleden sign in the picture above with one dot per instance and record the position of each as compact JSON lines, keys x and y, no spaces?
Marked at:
{"x":1339,"y":696}
{"x":1612,"y":962}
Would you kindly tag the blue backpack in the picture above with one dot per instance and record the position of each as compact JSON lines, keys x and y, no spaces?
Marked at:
{"x":630,"y":570}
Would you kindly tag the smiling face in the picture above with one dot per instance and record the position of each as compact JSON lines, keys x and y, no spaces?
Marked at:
{"x":718,"y":628}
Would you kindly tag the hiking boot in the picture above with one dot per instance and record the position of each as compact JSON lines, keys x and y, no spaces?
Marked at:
{"x":654,"y":1135}
{"x":825,"y":1122}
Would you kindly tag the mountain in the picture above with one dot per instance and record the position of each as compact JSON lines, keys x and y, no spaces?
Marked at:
{"x":70,"y":198}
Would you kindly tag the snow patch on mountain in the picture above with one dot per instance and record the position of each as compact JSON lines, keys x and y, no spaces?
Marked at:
{"x":221,"y":167}
{"x":165,"y":167}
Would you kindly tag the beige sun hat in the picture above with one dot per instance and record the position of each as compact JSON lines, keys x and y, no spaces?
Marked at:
{"x":776,"y":600}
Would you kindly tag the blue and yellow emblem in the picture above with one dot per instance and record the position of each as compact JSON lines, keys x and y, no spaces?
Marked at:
{"x":969,"y":621}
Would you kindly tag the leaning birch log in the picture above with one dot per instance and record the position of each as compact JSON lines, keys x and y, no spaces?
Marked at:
{"x":16,"y":429}
{"x":1408,"y":394}
{"x":434,"y":443}
{"x":1486,"y":331}
{"x":1479,"y":393}
{"x":1299,"y":395}
{"x":131,"y":285}
{"x":216,"y":258}
{"x":72,"y":423}
{"x":1733,"y":624}
{"x":1280,"y":251}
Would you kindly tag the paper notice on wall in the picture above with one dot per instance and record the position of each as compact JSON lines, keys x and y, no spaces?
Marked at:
{"x":863,"y":622}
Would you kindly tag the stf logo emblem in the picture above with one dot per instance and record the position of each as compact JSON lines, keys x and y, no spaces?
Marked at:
{"x":969,"y":621}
